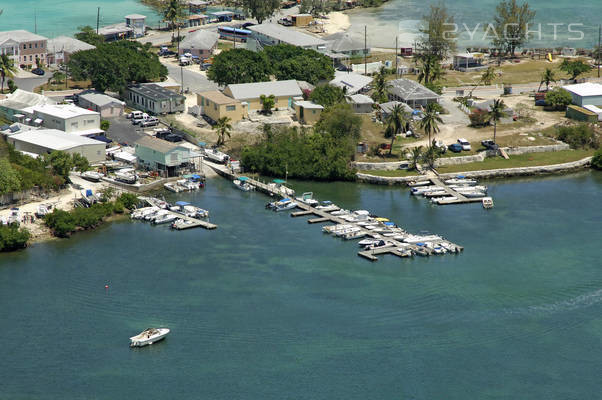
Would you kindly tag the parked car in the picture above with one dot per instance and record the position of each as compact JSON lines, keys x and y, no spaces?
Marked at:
{"x":138,"y":120}
{"x":185,"y":61}
{"x":465,"y":144}
{"x":172,"y":137}
{"x":490,"y":145}
{"x":439,"y":145}
{"x":205,"y":66}
{"x":455,"y":147}
{"x":151,"y":121}
{"x":540,"y":103}
{"x":38,"y":71}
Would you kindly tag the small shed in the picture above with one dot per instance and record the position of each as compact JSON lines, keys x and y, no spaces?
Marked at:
{"x":361,"y":103}
{"x":301,"y":20}
{"x":104,"y":104}
{"x":307,"y":112}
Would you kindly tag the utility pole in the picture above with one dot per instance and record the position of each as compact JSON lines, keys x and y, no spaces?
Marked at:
{"x":396,"y":57}
{"x":97,"y":19}
{"x":365,"y":49}
{"x":35,"y":21}
{"x":599,"y":48}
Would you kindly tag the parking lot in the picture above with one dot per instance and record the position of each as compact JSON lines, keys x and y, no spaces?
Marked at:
{"x":122,"y":130}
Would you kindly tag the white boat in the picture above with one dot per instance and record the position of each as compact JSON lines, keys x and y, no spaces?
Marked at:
{"x":14,"y":217}
{"x":473,"y":195}
{"x":487,"y":202}
{"x":88,"y":197}
{"x":443,"y":199}
{"x":91,"y":176}
{"x":125,"y":177}
{"x":194,"y":212}
{"x":148,"y":336}
{"x":286,"y":206}
{"x":419,"y":183}
{"x":420,"y":190}
{"x":308,"y":198}
{"x":172,"y":187}
{"x":354,"y":235}
{"x":216,"y":156}
{"x":164,"y":219}
{"x":347,"y":231}
{"x":480,"y":188}
{"x":327,"y":205}
{"x":43,"y":209}
{"x":243,"y":185}
{"x":461,"y":181}
{"x":367,"y":242}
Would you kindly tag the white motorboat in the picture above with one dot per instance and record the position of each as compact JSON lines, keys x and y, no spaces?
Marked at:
{"x":443,"y":199}
{"x":473,"y":195}
{"x":148,"y":336}
{"x":340,"y":213}
{"x":282,"y":205}
{"x":367,"y":242}
{"x":480,"y":188}
{"x":308,"y":198}
{"x":487,"y":202}
{"x":354,"y":235}
{"x":336,"y":228}
{"x":243,"y":185}
{"x":88,"y":197}
{"x":419,"y":183}
{"x":43,"y":209}
{"x":216,"y":156}
{"x":327,"y":205}
{"x":194,"y":212}
{"x":172,"y":187}
{"x":164,"y":219}
{"x":125,"y":177}
{"x":347,"y":231}
{"x":91,"y":176}
{"x":461,"y":181}
{"x":420,"y":190}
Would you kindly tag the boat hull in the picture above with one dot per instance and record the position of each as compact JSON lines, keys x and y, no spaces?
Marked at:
{"x":141,"y":341}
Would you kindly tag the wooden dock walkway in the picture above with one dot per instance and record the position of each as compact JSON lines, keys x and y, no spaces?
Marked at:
{"x":394,"y":247}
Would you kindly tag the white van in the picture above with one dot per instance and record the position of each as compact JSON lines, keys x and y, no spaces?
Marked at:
{"x":135,"y":115}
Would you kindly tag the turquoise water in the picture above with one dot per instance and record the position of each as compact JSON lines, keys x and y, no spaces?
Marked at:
{"x":268,"y":307}
{"x":402,"y":17}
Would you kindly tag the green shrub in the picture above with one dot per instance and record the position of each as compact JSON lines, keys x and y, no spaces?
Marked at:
{"x":61,"y":222}
{"x":129,"y":200}
{"x":13,"y":238}
{"x":580,"y":136}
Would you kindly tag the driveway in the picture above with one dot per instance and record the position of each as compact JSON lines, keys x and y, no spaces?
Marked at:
{"x":194,"y":81}
{"x":30,"y":83}
{"x":121,"y":130}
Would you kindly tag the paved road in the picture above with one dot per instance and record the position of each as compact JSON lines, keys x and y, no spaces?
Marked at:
{"x":194,"y":81}
{"x":30,"y":83}
{"x":121,"y":130}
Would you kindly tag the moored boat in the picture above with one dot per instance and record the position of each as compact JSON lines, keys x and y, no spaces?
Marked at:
{"x":91,"y":176}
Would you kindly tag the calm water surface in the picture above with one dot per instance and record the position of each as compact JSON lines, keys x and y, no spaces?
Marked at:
{"x":268,"y":307}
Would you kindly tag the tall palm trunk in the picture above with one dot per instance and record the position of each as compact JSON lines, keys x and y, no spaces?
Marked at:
{"x":494,"y":129}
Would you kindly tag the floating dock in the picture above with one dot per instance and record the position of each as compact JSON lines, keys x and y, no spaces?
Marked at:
{"x":454,"y":196}
{"x":394,"y":247}
{"x":192,"y":222}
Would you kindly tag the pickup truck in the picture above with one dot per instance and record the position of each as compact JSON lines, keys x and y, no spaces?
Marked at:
{"x":139,"y":119}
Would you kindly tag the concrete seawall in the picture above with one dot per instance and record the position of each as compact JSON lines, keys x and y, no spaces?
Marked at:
{"x":494,"y":173}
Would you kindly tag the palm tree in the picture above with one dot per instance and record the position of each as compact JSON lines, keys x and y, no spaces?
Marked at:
{"x":223,"y":128}
{"x":7,"y":69}
{"x":487,"y":77}
{"x":396,"y":122}
{"x":496,"y":112}
{"x":547,"y":77}
{"x":430,"y":69}
{"x":430,"y":122}
{"x":380,"y":86}
{"x":172,"y":13}
{"x":416,"y":156}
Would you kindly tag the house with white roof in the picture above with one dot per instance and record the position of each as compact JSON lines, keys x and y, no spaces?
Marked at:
{"x":360,"y":103}
{"x":346,"y":44}
{"x":585,"y":93}
{"x":13,"y":105}
{"x":65,"y":117}
{"x":351,"y":82}
{"x":268,"y":34}
{"x":201,"y":43}
{"x":411,"y":92}
{"x":62,"y":47}
{"x":284,"y":93}
{"x":45,"y":141}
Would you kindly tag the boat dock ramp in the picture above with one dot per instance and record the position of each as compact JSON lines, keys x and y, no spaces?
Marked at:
{"x":450,"y":191}
{"x":385,"y":237}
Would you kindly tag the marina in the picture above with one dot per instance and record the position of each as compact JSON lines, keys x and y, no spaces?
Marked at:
{"x":180,"y":216}
{"x":351,"y":225}
{"x":458,"y":190}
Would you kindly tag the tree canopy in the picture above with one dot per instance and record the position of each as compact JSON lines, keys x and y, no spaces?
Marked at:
{"x":259,"y":9}
{"x":327,"y":95}
{"x":239,"y":66}
{"x":511,"y":25}
{"x":558,"y":98}
{"x":438,"y":39}
{"x":574,"y":67}
{"x":88,"y":34}
{"x":112,"y":66}
{"x":283,"y":61}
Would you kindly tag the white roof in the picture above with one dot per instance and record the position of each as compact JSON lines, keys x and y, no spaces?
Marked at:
{"x":593,"y":108}
{"x":309,"y":105}
{"x":64,"y":111}
{"x":201,"y":39}
{"x":135,"y":16}
{"x":361,"y":99}
{"x":244,"y":91}
{"x":286,"y":35}
{"x":352,"y":81}
{"x":21,"y":99}
{"x":585,"y":89}
{"x":54,"y":139}
{"x":88,"y":132}
{"x":19,"y":36}
{"x":100,"y":99}
{"x":68,"y":44}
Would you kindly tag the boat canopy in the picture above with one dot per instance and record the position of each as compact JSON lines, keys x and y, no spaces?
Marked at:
{"x":243,"y":178}
{"x":382,"y":219}
{"x":389,"y":223}
{"x":460,"y":176}
{"x":279,"y":181}
{"x":182,"y":203}
{"x":287,"y":199}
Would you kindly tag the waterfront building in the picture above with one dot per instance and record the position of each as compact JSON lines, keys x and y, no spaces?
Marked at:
{"x":133,"y":27}
{"x":23,"y":47}
{"x":61,"y":48}
{"x":154,"y":99}
{"x":283,"y":91}
{"x":45,"y":141}
{"x":196,"y":20}
{"x":215,"y":105}
{"x":161,"y":155}
{"x":469,"y":62}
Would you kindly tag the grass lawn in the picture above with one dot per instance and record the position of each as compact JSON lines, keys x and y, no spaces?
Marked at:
{"x":226,"y":45}
{"x":516,"y":140}
{"x":61,"y":86}
{"x":393,"y":173}
{"x":523,"y":160}
{"x":373,"y":133}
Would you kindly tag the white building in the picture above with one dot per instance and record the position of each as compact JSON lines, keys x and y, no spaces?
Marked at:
{"x":267,"y":34}
{"x":62,"y":47}
{"x":585,"y":93}
{"x":45,"y":141}
{"x":351,"y":82}
{"x":65,"y":117}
